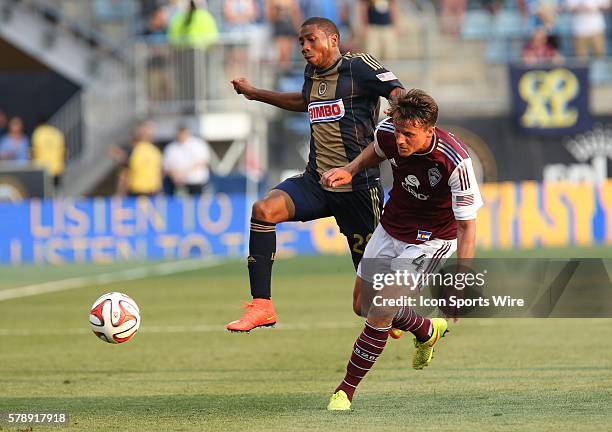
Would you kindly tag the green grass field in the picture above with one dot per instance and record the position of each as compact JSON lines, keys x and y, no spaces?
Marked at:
{"x":183,"y":372}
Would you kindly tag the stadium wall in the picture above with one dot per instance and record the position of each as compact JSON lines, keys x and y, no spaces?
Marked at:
{"x":102,"y":230}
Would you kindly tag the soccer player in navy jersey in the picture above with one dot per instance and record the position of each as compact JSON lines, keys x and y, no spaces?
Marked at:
{"x":430,"y":214}
{"x":341,"y":95}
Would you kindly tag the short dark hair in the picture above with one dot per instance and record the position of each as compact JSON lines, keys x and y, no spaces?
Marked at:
{"x":415,"y":106}
{"x":324,"y":24}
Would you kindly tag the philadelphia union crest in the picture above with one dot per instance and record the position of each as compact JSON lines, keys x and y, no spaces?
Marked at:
{"x":322,"y":88}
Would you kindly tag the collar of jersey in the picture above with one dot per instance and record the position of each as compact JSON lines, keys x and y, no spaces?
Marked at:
{"x":328,"y":70}
{"x":431,"y":148}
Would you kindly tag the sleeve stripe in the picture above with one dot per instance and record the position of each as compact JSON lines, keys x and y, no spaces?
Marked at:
{"x":448,"y":155}
{"x":369,"y":60}
{"x":386,"y":128}
{"x":450,"y":152}
{"x":377,"y":148}
{"x":467,"y":177}
{"x":464,"y":178}
{"x":373,"y":61}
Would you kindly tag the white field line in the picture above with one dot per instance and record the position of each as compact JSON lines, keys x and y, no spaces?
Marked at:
{"x":207,"y":328}
{"x":107,"y":278}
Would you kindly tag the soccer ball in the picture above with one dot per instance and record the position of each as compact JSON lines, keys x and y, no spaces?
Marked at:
{"x":114,"y":318}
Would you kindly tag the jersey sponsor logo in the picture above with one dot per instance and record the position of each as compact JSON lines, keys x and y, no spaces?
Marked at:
{"x":322,"y":88}
{"x":423,"y":235}
{"x":386,"y":76}
{"x":328,"y":111}
{"x":434,"y":176}
{"x":411,"y":181}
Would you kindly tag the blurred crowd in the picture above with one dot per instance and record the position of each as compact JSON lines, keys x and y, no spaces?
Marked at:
{"x":190,"y":22}
{"x":588,"y":28}
{"x":368,"y":25}
{"x":45,"y":148}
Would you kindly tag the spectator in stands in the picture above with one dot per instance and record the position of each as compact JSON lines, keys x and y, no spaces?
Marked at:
{"x":452,"y":14}
{"x":539,"y":50}
{"x":145,"y":133}
{"x":542,"y":14}
{"x":285,"y":18}
{"x":14,"y":145}
{"x":144,"y":170}
{"x":159,"y":84}
{"x":157,"y":26}
{"x":241,"y":19}
{"x":146,"y":7}
{"x":380,"y":22}
{"x":172,"y":8}
{"x":589,"y":27}
{"x":195,"y":27}
{"x":191,"y":31}
{"x":494,"y":6}
{"x":186,"y":162}
{"x":3,"y":123}
{"x":48,"y":150}
{"x":240,"y":15}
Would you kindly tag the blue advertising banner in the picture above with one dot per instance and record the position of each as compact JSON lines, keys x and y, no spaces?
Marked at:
{"x":104,"y":230}
{"x":552,"y":100}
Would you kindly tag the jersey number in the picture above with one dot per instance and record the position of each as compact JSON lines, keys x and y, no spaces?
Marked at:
{"x":360,"y":243}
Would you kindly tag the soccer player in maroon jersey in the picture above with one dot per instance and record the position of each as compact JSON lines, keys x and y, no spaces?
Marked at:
{"x":341,"y":94}
{"x":430,"y":214}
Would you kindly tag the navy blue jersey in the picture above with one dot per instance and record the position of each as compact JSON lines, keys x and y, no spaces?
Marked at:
{"x":343,"y":105}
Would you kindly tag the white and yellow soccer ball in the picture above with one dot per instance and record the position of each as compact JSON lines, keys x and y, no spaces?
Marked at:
{"x":114,"y":318}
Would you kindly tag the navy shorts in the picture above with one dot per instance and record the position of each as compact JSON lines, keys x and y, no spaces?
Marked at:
{"x":357,"y":213}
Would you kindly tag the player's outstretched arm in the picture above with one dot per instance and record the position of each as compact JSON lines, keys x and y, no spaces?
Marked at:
{"x":288,"y":101}
{"x":466,"y":240}
{"x":340,"y":176}
{"x":466,"y":246}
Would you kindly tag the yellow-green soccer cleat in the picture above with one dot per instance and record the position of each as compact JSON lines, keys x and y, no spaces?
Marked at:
{"x":339,"y":401}
{"x":424,"y":350}
{"x":395,"y":333}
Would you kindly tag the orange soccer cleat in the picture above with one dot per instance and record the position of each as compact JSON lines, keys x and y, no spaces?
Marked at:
{"x":258,"y":313}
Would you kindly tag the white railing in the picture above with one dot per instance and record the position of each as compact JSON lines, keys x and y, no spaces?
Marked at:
{"x":185,"y":80}
{"x":69,"y":120}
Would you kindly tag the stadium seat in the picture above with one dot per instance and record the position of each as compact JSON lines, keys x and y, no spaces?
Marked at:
{"x":601,"y":72}
{"x":497,"y":51}
{"x":476,"y":25}
{"x":509,"y":24}
{"x":563,"y":25}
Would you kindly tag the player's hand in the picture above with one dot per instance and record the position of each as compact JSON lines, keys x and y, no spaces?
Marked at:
{"x":243,"y":87}
{"x":336,"y":177}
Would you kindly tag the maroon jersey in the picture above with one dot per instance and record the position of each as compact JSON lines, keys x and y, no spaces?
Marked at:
{"x":431,"y":190}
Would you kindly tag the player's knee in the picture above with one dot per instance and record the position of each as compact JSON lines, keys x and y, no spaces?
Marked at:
{"x":264,"y":211}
